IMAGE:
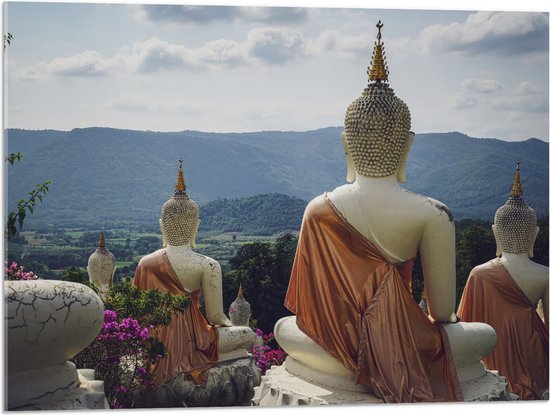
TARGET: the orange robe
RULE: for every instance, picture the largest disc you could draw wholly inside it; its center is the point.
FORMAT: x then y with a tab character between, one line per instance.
359	308
191	343
492	296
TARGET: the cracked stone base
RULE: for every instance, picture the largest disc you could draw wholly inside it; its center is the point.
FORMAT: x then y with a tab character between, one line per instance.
86	393
230	383
281	388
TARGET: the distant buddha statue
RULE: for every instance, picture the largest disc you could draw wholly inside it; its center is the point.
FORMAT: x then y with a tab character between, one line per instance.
357	324
505	292
194	343
101	266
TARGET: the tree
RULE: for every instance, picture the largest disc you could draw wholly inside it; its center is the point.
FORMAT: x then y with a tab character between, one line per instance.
264	271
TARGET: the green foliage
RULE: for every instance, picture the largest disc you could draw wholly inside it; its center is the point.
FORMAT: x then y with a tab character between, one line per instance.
8	37
17	218
13	157
264	271
75	274
540	249
265	214
149	307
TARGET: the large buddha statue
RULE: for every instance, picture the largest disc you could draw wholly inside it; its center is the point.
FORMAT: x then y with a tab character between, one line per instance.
194	343
357	325
504	293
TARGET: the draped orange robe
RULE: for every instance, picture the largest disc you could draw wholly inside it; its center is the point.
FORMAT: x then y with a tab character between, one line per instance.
359	308
191	343
492	296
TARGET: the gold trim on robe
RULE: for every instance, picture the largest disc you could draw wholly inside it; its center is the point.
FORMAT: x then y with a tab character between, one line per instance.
492	296
359	308
191	343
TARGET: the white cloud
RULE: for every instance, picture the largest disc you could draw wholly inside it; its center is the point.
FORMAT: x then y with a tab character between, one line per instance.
276	45
481	85
88	63
499	33
149	104
525	103
179	14
527	88
265	45
335	44
462	102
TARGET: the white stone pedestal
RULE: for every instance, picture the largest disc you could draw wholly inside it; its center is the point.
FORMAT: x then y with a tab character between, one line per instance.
280	387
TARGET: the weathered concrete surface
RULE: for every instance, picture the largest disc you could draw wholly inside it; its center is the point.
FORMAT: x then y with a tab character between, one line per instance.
229	384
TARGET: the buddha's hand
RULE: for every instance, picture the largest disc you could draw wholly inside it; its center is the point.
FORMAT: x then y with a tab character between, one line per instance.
221	320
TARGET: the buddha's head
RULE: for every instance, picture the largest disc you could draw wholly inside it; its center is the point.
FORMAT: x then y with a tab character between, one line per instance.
179	217
377	123
515	226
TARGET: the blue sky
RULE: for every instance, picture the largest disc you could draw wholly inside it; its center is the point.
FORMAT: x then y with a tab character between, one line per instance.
174	67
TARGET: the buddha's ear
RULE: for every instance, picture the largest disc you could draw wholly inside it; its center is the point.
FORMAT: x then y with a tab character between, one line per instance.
532	245
497	240
351	173
402	170
164	243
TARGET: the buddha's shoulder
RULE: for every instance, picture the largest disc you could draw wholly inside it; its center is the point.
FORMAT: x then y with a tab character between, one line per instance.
482	270
317	205
429	207
151	259
205	261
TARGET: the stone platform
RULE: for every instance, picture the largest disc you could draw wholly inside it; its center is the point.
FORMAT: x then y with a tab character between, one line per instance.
230	383
279	387
86	393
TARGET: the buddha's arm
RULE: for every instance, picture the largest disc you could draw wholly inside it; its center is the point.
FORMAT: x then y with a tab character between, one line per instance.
212	291
437	250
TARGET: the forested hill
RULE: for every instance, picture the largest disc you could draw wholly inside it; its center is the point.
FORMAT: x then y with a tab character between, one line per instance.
106	176
266	214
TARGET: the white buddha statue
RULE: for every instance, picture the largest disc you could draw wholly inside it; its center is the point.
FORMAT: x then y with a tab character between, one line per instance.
357	326
102	266
504	292
194	343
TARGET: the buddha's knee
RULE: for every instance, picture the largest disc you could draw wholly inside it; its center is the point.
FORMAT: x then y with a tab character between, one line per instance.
303	349
470	342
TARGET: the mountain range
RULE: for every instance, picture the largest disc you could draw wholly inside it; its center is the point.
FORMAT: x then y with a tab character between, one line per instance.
106	176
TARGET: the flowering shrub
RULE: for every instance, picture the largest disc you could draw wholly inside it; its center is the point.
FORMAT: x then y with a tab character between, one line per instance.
270	354
121	355
124	351
17	273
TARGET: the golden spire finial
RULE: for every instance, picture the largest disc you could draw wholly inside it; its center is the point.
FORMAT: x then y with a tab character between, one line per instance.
378	70
517	190
101	243
180	180
240	294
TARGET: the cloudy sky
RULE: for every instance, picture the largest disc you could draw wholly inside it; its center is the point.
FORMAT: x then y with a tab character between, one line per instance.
174	67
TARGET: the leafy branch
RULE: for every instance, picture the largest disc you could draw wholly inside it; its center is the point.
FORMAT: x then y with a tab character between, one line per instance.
13	157
17	218
7	39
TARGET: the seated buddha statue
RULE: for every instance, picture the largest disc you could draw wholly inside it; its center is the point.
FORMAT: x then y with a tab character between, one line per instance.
357	326
505	292
194	343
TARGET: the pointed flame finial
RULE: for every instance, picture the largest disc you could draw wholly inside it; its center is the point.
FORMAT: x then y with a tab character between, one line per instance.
101	243
240	294
517	190
180	180
378	70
